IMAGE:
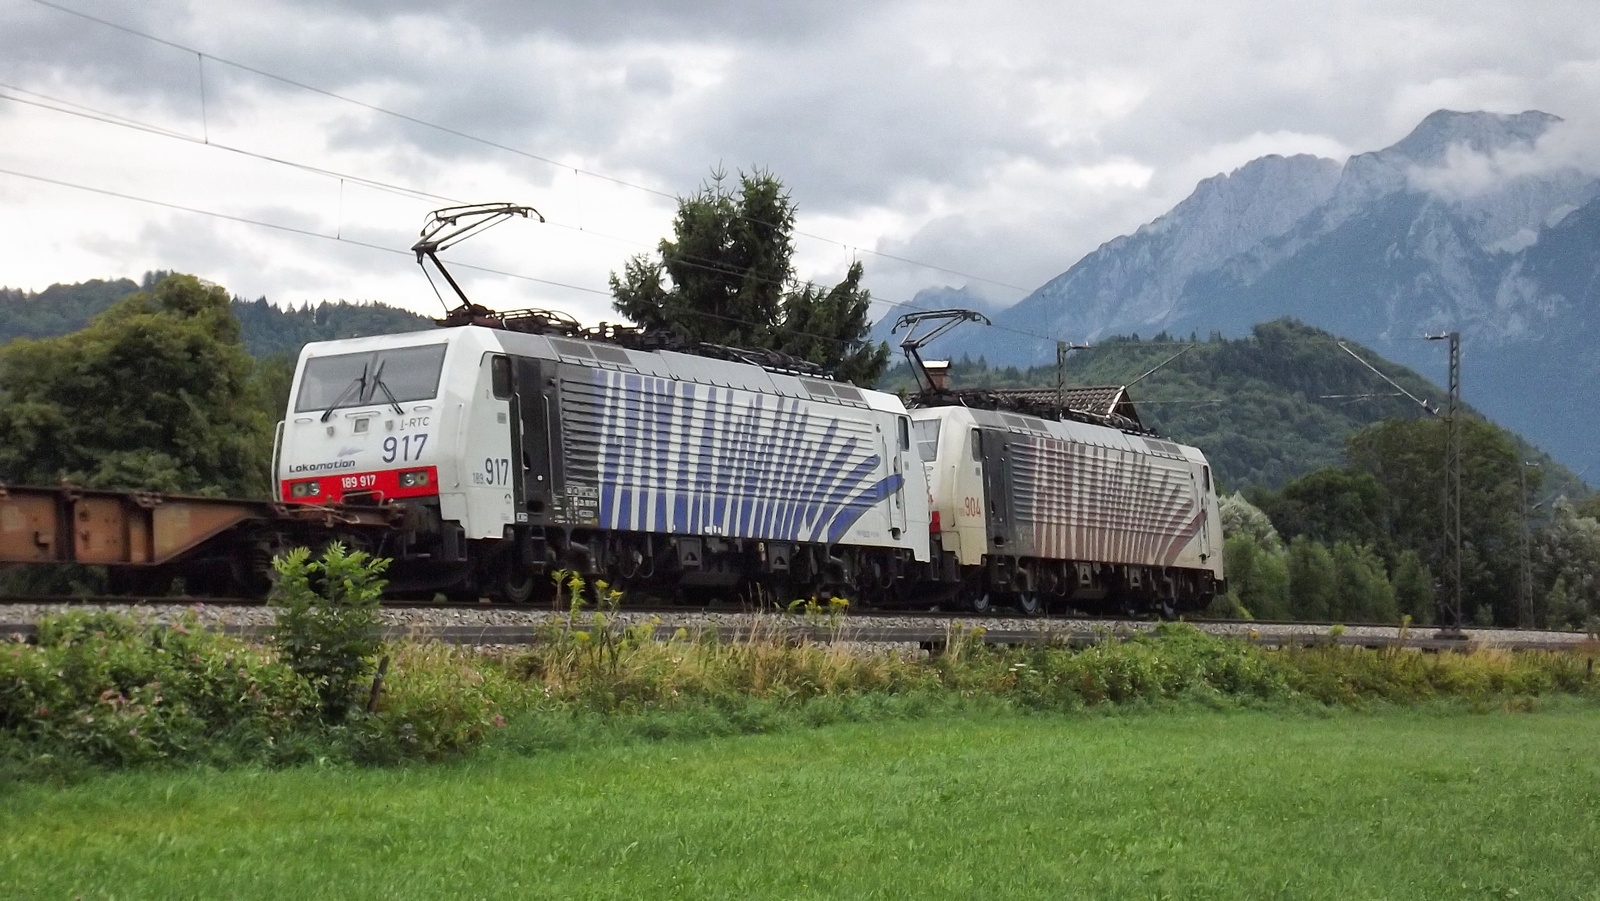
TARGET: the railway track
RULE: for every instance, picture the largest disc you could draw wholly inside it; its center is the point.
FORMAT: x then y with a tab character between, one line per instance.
924	637
484	624
124	600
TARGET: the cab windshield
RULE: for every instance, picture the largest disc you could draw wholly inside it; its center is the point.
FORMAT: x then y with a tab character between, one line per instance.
396	374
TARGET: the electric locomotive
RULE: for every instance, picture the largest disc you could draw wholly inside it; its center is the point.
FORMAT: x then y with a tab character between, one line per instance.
515	455
1035	502
509	447
1034	510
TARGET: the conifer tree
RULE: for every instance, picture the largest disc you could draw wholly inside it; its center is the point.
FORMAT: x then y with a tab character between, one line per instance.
727	277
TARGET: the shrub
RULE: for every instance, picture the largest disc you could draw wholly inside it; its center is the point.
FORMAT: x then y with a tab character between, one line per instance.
437	700
99	689
327	618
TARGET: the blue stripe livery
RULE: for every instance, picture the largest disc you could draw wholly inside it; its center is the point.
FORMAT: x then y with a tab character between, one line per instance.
681	457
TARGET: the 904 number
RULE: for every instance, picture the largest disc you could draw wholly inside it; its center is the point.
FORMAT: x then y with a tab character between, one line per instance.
404	448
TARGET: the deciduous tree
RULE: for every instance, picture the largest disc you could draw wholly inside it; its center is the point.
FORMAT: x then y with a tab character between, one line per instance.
154	393
1406	457
1567	554
1313	594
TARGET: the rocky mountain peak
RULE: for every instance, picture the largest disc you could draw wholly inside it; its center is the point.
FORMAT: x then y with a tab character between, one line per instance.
1263	197
1138	277
1370	176
1480	132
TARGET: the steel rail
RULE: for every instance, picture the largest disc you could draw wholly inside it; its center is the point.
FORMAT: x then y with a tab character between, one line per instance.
741	609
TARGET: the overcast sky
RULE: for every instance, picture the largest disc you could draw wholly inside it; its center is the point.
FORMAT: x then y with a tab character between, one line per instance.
999	141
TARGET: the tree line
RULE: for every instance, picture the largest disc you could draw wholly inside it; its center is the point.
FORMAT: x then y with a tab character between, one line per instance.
1266	407
1365	541
265	329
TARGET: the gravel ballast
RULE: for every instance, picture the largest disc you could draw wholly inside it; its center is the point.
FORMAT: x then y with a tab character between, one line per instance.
426	618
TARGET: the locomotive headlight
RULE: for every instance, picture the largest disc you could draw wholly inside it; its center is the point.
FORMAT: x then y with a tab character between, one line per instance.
416	478
301	489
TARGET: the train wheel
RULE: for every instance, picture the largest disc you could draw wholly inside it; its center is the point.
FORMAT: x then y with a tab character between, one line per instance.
516	584
982	602
1028	602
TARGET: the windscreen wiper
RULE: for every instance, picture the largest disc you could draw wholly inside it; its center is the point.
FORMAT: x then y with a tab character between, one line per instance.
377	379
359	383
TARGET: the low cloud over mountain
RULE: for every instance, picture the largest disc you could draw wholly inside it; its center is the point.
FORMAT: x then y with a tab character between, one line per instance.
1479	222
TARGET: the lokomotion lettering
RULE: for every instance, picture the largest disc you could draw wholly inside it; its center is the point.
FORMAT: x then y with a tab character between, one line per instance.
332	466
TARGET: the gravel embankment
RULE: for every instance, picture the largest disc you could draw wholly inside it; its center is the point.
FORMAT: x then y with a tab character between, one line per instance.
426	618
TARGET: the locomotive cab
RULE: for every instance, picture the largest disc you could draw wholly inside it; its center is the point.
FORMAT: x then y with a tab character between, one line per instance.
363	423
376	421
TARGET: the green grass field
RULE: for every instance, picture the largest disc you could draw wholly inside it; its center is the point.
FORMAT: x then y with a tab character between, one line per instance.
1399	804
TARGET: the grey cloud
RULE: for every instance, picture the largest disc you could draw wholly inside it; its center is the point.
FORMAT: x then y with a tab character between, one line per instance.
650	77
44	46
846	128
612	21
914	108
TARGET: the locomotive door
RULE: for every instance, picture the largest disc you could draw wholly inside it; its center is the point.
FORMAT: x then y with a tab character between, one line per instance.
896	456
531	435
997	485
483	445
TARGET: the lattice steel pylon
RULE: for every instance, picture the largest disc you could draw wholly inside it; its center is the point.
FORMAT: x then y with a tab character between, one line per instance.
1525	615
1451	603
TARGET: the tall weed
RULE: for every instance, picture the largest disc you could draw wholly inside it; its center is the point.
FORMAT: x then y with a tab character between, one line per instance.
327	618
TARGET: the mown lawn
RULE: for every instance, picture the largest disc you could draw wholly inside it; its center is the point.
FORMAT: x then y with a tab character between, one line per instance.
1401	804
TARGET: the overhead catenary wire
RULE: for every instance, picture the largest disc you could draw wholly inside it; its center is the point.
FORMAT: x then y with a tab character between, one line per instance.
108	118
467	136
543	159
309	233
87	112
376	184
245	220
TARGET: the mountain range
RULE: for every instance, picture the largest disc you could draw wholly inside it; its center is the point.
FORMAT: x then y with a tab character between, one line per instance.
1473	222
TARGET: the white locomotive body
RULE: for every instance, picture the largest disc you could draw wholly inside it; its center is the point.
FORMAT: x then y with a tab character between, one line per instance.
1070	510
523	453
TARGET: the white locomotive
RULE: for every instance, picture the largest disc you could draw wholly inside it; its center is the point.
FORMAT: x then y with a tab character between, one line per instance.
522	453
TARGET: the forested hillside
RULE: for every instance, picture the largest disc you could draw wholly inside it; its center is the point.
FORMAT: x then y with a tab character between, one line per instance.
266	330
1266	408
